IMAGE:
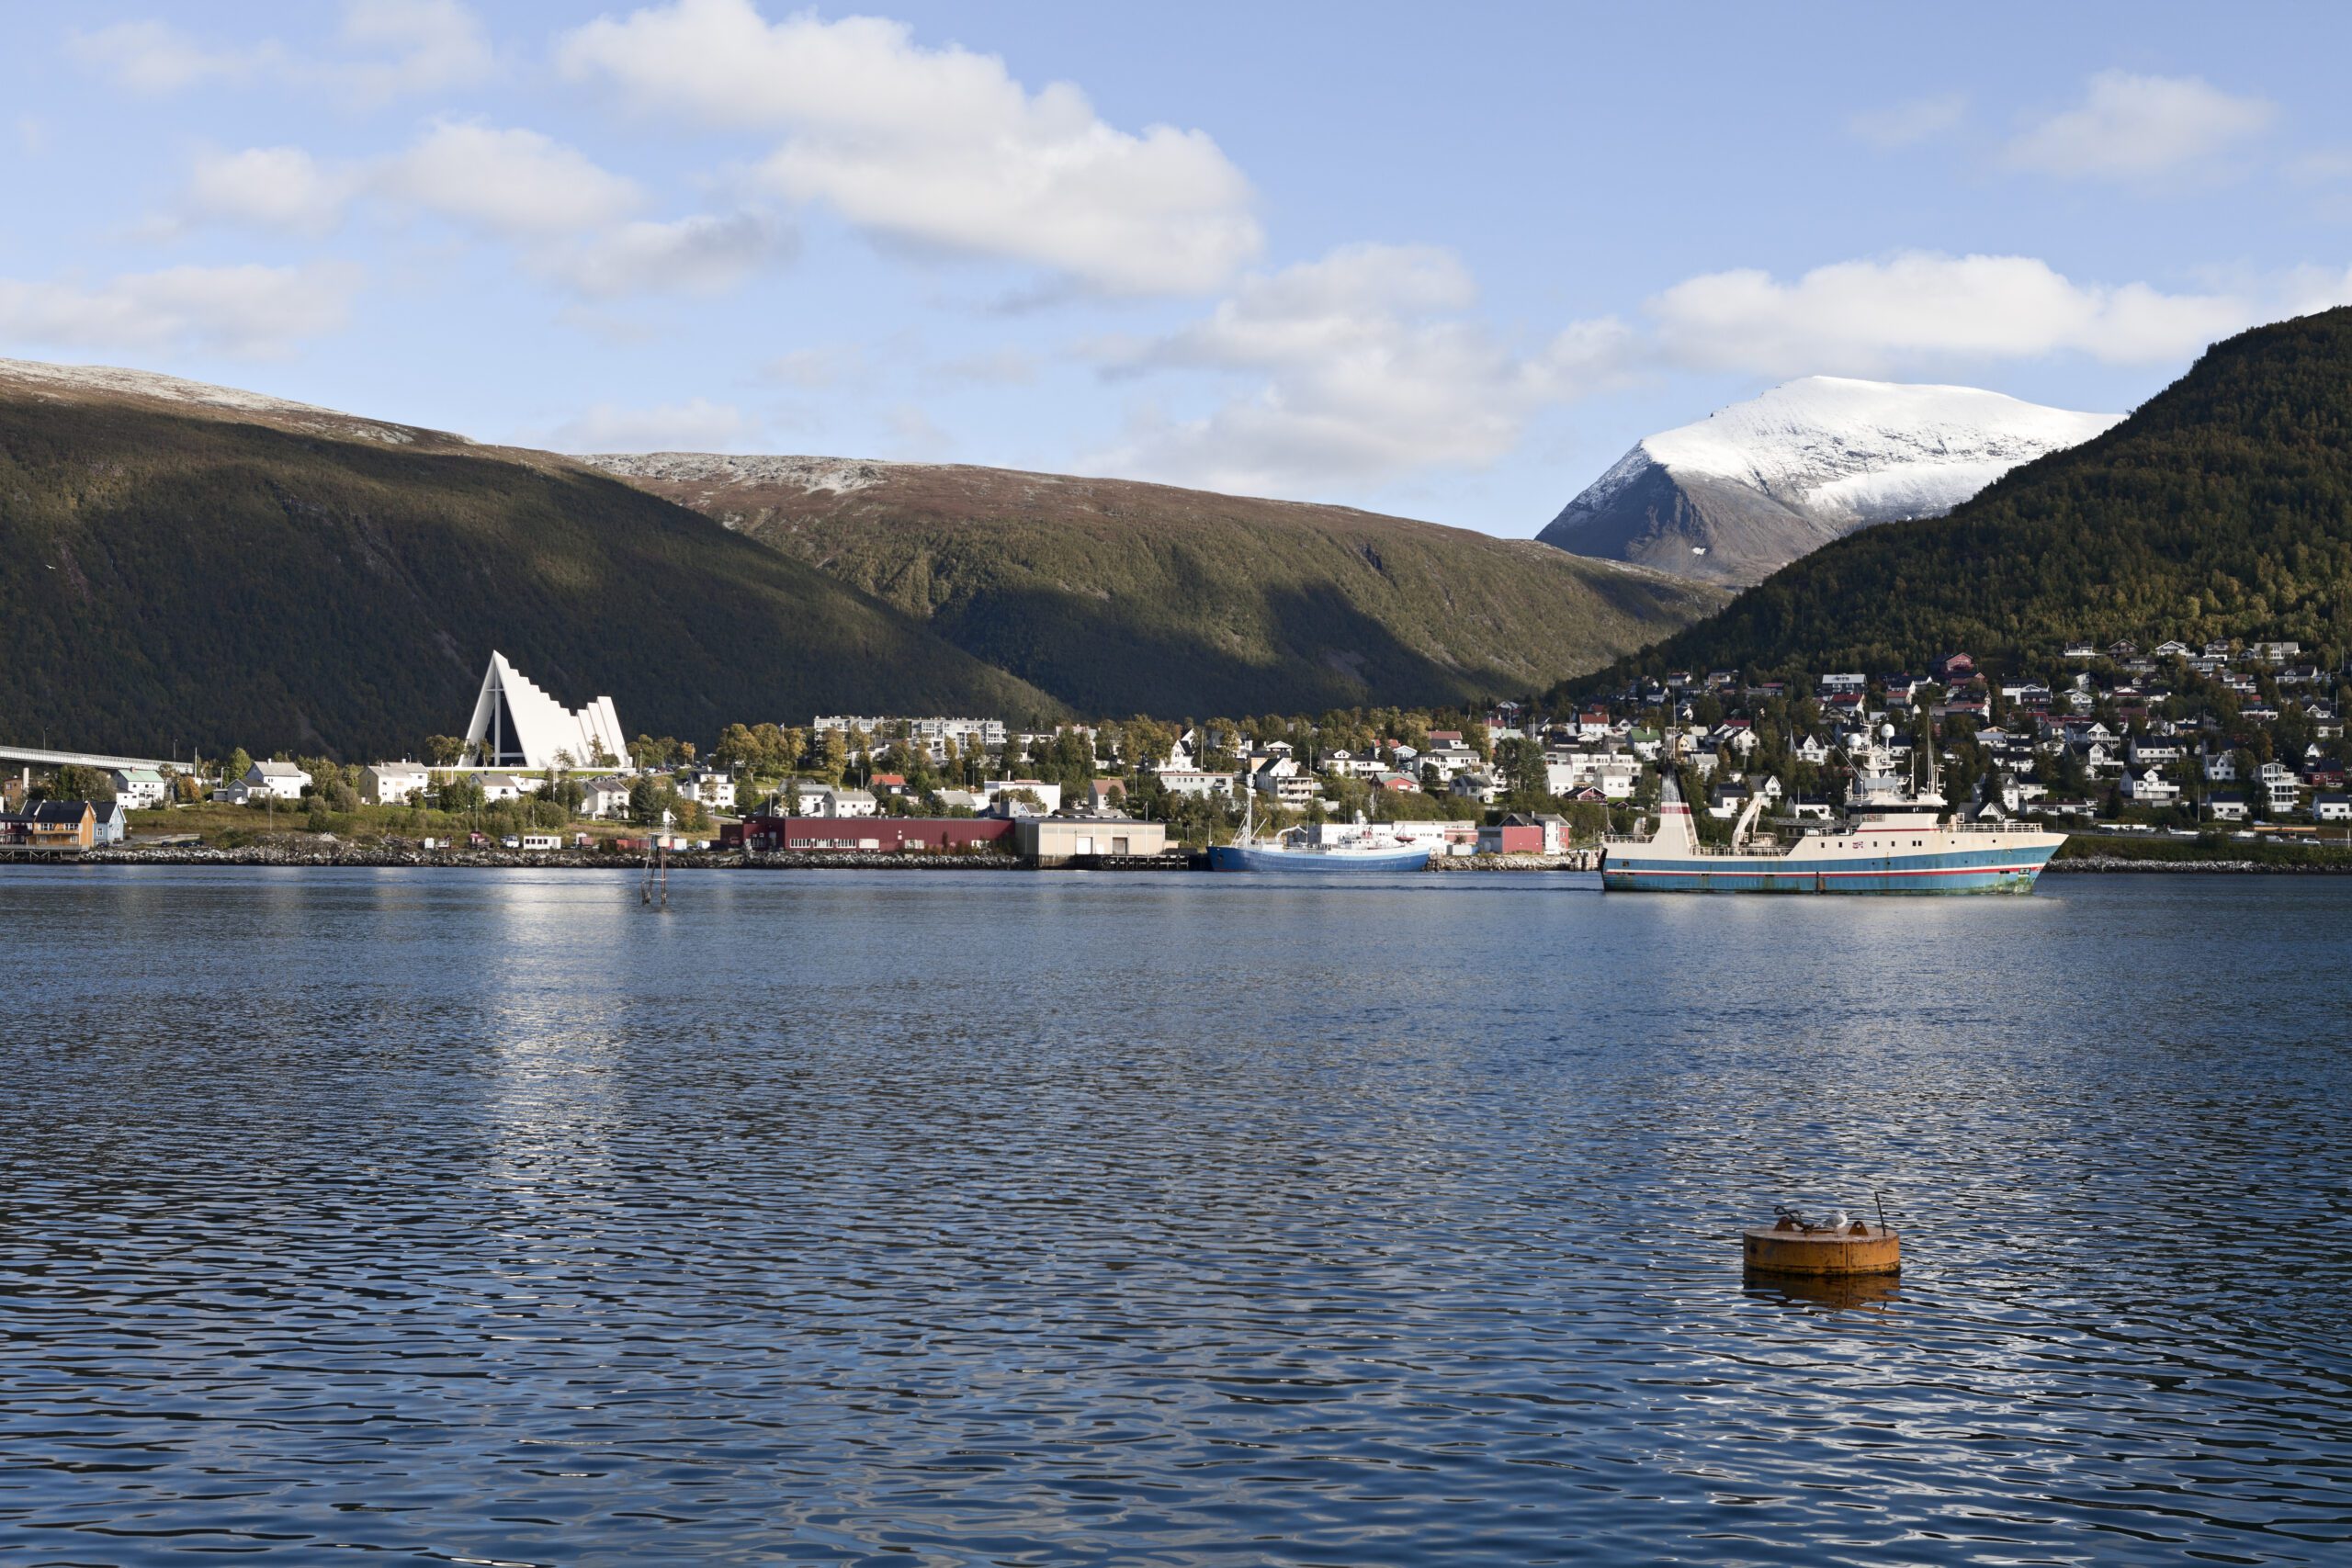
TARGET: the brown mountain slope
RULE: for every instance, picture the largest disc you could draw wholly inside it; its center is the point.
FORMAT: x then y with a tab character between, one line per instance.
194	565
1120	597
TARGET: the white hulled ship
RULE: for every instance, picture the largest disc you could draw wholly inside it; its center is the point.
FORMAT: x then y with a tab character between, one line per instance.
1360	849
1896	839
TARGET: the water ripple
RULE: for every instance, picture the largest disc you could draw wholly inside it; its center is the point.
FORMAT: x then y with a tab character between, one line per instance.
840	1218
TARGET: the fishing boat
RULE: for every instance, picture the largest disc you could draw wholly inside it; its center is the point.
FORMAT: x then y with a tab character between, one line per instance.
1360	849
1898	838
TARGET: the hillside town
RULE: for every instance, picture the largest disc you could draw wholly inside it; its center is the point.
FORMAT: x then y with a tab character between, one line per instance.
2242	738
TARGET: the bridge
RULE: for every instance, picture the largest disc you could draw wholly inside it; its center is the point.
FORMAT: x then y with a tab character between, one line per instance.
30	758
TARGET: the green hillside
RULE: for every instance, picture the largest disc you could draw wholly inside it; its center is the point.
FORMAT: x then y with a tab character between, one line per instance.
174	574
2221	509
1118	597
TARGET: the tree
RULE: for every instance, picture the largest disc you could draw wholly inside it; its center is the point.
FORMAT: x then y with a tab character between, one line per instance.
443	750
236	765
73	781
457	791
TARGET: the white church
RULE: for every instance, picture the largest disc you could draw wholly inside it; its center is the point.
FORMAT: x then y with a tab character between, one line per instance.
515	724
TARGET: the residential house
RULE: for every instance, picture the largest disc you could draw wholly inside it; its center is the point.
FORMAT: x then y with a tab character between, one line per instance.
281	781
605	796
2331	807
2149	789
833	800
501	787
1476	783
141	789
1196	783
59	825
2280	787
392	783
2225	805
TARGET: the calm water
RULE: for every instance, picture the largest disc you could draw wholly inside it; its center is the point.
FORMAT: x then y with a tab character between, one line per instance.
979	1219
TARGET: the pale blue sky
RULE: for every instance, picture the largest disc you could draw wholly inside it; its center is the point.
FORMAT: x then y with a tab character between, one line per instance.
1443	263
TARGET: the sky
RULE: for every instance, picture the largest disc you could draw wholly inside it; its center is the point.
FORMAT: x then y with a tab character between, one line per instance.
1445	263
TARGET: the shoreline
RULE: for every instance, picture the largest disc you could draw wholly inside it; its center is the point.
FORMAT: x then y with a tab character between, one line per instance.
265	856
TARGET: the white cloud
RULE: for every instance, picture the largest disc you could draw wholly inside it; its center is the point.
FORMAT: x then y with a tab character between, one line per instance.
693	255
249	311
155	57
568	216
1906	124
1365	369
423	46
938	147
695	425
393	47
1870	316
506	181
2140	129
275	188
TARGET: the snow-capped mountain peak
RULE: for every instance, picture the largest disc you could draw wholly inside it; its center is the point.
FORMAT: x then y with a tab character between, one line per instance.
1743	491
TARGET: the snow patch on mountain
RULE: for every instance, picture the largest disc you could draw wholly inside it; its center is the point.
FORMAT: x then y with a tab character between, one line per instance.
1751	486
1860	452
809	475
119	382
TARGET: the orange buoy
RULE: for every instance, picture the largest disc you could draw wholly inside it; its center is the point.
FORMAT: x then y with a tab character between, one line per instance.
1793	1247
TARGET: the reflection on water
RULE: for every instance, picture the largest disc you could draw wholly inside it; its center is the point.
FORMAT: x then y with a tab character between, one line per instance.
1017	1219
1831	1293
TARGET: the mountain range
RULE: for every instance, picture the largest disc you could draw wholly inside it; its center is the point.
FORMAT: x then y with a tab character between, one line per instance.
1738	495
1118	597
191	566
2220	509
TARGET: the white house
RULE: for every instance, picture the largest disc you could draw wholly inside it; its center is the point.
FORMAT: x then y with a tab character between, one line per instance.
1049	796
281	781
2227	806
2331	807
2149	789
605	796
828	800
141	789
500	786
1196	783
391	784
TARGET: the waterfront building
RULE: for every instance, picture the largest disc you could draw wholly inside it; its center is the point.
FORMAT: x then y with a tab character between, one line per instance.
1053	840
62	825
768	833
515	724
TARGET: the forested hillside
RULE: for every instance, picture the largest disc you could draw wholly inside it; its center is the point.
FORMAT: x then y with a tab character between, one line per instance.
2221	509
172	573
1117	597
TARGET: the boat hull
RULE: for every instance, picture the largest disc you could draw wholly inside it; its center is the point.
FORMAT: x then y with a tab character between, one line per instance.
1994	868
1312	863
